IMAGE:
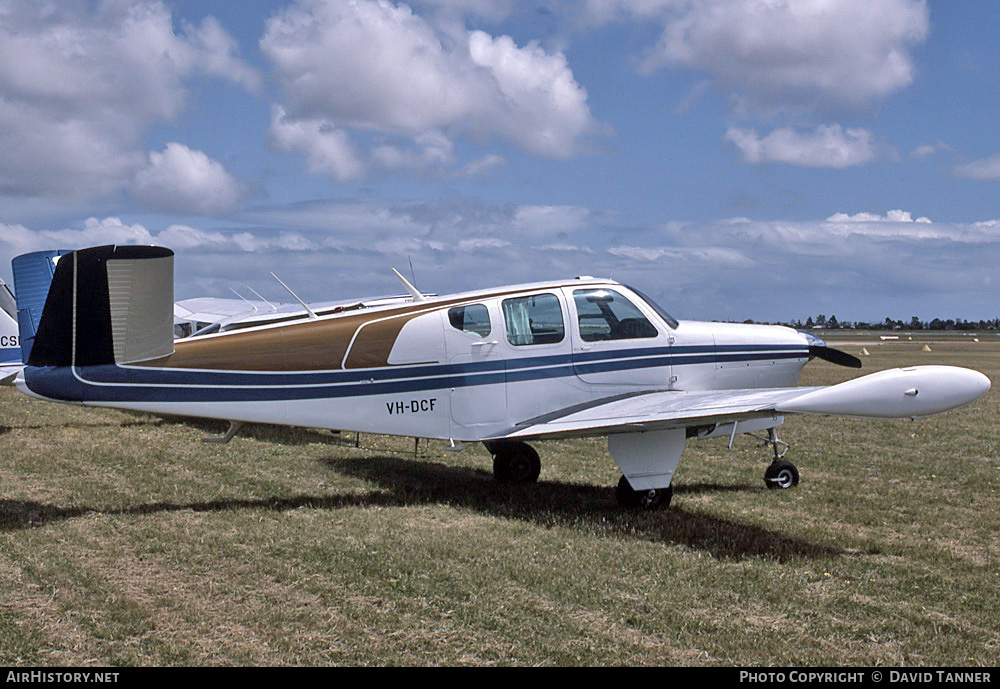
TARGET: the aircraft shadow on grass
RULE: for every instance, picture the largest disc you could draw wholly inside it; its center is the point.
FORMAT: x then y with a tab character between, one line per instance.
406	482
73	424
284	435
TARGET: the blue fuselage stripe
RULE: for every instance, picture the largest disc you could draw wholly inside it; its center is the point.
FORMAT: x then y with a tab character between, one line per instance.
110	383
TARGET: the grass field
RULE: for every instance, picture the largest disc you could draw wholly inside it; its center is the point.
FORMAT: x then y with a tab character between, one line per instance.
126	541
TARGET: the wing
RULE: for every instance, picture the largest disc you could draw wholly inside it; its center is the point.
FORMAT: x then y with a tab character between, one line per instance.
212	309
893	394
656	410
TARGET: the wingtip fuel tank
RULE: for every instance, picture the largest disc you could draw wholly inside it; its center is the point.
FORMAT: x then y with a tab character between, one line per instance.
898	393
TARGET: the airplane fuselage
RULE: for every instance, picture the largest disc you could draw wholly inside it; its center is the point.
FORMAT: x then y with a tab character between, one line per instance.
467	367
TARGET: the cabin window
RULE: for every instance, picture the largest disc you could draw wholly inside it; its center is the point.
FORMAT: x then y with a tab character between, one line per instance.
533	320
473	319
604	314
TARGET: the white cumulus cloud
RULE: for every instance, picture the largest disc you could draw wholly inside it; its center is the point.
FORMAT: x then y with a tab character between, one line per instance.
830	52
549	220
328	149
182	180
81	82
985	169
927	150
538	103
891	216
828	146
348	70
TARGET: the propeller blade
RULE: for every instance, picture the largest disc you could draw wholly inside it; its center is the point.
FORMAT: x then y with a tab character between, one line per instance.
834	356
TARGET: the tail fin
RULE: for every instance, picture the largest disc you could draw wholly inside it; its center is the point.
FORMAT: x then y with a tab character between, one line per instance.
105	305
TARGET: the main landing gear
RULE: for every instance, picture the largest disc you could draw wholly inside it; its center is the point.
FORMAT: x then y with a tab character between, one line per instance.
781	473
517	462
514	461
652	499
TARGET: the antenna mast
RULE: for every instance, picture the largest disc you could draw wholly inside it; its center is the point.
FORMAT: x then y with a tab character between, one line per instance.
312	314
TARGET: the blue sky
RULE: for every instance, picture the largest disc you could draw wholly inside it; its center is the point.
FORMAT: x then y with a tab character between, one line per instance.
757	159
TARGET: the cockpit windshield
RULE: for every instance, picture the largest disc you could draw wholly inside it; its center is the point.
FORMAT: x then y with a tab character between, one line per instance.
668	319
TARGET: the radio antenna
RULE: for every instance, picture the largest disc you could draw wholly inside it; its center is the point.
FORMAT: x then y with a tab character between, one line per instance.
273	307
249	303
414	292
312	314
412	274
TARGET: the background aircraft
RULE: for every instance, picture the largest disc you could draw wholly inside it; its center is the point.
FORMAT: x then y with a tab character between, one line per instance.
205	315
503	366
10	350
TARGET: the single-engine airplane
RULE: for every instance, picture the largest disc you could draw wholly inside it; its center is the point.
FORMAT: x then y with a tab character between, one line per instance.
504	366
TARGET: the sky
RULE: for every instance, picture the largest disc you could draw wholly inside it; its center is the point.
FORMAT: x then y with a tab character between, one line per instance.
762	159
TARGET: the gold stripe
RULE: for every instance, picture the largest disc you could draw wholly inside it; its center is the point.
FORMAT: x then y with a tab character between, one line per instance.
312	345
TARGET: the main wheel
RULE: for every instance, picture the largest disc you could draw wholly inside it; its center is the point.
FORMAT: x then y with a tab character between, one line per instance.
781	474
642	499
514	461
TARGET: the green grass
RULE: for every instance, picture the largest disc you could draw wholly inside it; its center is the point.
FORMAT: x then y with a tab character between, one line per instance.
126	541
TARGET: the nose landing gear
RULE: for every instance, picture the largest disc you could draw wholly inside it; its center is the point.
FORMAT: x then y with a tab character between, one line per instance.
781	473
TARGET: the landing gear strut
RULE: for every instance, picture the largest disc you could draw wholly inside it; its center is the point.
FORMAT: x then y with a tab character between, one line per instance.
514	461
781	473
644	499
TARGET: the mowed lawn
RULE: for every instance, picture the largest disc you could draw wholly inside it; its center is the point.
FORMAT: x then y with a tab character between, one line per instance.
124	540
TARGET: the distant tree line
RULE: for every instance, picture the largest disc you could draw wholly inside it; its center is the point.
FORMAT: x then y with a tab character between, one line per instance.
822	322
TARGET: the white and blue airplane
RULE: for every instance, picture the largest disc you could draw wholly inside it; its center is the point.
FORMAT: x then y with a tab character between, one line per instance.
504	366
10	349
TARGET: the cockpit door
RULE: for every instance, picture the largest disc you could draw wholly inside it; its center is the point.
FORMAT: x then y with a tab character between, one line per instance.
618	340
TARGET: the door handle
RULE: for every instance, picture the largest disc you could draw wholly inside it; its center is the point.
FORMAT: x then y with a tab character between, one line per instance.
483	344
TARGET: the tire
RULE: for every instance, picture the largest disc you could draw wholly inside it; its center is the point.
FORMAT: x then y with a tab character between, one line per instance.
781	474
642	499
514	462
